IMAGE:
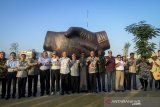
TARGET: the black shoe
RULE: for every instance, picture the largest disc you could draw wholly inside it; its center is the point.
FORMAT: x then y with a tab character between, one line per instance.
135	89
34	95
62	93
67	92
29	95
8	97
13	96
142	88
19	97
23	96
104	91
2	97
42	94
145	89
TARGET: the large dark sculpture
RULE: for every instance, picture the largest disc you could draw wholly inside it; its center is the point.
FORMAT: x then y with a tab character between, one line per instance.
76	40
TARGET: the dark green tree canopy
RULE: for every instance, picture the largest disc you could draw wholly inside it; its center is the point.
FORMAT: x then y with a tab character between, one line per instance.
143	32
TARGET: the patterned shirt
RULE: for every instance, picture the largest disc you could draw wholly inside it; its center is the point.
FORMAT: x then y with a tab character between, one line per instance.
92	64
33	69
3	71
22	69
65	63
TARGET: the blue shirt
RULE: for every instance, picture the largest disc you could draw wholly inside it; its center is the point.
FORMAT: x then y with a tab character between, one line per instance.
11	65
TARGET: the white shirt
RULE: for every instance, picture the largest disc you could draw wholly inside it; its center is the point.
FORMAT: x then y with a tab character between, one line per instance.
55	63
64	69
121	67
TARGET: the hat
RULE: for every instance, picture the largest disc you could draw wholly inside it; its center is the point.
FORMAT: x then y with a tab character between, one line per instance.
54	52
153	54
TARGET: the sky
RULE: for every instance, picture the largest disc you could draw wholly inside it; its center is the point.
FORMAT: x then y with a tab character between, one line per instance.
27	21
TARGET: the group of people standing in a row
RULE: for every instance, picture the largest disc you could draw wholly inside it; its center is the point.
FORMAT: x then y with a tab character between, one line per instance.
84	74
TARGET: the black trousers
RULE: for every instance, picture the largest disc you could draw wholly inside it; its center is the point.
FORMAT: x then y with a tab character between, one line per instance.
144	83
11	78
75	83
22	86
65	82
55	77
92	82
101	81
45	81
32	79
127	81
157	84
4	80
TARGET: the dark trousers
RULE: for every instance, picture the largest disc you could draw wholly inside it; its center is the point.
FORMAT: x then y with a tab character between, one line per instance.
144	83
65	82
101	81
132	77
55	77
75	83
126	81
157	84
4	80
32	79
11	78
45	81
111	76
22	86
151	81
92	82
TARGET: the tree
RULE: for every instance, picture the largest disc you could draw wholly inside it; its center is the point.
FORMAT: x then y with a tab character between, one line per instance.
143	33
14	47
126	48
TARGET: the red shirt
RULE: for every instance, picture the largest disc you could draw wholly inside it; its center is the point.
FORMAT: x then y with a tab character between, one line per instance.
110	64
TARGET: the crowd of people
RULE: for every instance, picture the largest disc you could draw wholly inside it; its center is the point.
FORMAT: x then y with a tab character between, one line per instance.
66	75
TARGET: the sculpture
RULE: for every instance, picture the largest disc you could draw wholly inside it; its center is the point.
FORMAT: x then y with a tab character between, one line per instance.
76	40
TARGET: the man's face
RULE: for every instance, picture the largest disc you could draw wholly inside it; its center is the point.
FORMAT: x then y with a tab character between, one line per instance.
1	55
92	53
110	53
32	55
45	54
132	55
12	56
119	58
64	54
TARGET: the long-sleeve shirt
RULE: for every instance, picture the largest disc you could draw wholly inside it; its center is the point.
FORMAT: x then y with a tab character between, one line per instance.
55	64
74	68
11	65
33	69
110	64
65	63
132	65
45	63
3	70
92	64
22	69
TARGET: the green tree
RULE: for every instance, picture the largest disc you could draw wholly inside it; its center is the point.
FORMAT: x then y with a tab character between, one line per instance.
142	33
14	47
126	48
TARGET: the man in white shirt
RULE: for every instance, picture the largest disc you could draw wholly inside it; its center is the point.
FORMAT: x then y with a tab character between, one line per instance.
64	71
44	63
119	74
11	75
